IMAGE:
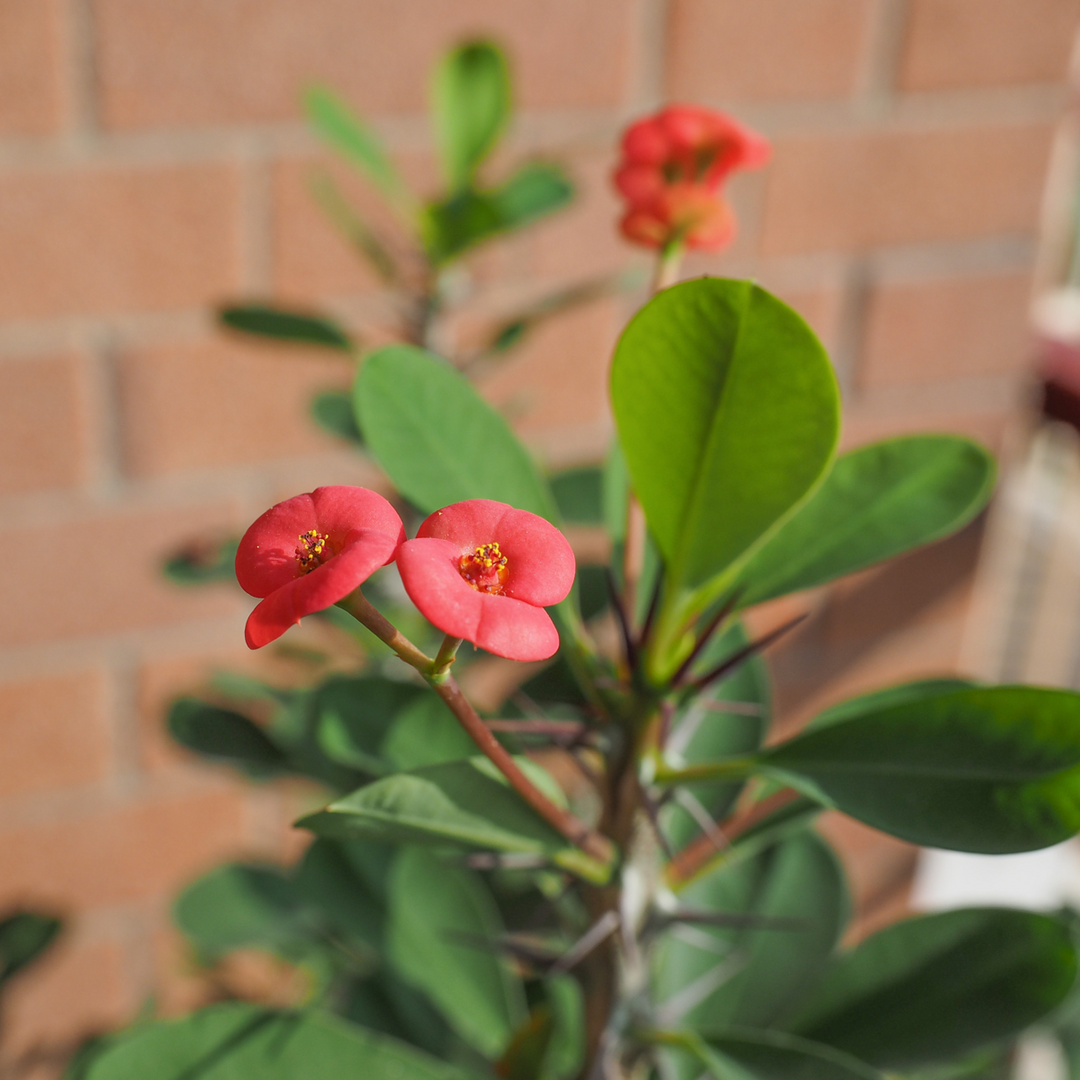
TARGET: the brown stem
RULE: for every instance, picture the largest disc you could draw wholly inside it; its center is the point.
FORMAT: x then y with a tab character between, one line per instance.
575	830
633	562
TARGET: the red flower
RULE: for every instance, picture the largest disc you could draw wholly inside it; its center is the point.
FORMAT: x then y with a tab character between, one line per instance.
310	552
672	170
483	571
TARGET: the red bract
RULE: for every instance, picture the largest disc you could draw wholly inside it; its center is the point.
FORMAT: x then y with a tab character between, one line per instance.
310	552
483	571
672	170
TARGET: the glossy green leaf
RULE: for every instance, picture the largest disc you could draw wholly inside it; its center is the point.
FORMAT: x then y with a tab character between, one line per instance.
470	106
333	411
931	988
709	976
262	320
24	936
443	924
460	802
425	732
772	1055
877	502
701	732
350	136
234	1041
534	191
224	735
992	770
903	694
437	439
728	415
566	1049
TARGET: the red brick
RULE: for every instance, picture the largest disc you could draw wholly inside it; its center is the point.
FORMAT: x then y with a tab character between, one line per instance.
82	987
957	43
44	423
106	239
224	61
559	378
920	332
146	848
583	240
848	191
98	574
728	49
212	403
55	733
31	90
311	259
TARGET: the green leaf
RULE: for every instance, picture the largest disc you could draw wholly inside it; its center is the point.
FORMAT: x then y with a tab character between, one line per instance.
931	988
352	138
877	502
702	733
752	976
470	217
238	906
224	735
459	802
262	320
225	1042
426	732
338	898
332	410
992	770
356	713
772	1055
24	936
470	107
566	1049
877	700
578	494
437	439
443	926
728	414
533	192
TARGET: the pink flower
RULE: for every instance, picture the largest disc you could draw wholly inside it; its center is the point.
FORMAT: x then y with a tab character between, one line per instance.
311	551
483	571
672	170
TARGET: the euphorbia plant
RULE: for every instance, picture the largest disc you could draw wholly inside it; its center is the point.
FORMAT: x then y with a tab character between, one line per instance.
615	872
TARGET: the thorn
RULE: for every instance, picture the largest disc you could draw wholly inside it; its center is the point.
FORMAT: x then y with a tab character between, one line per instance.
726	609
738	659
600	930
710	828
629	646
510	860
739	708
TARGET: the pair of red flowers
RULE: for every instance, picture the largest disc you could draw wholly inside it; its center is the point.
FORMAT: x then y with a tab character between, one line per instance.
673	167
478	570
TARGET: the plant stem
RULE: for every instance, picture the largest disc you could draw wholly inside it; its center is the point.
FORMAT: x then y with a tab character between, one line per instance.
576	831
447	653
667	266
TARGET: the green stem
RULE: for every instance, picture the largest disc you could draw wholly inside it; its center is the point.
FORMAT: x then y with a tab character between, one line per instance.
736	768
667	266
447	653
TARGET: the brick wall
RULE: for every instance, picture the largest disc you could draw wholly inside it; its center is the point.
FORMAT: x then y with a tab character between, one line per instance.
152	163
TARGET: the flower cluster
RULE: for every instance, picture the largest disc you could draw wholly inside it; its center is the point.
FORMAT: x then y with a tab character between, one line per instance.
672	172
478	570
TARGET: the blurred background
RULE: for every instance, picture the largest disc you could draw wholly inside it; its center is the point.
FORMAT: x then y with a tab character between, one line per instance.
153	165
